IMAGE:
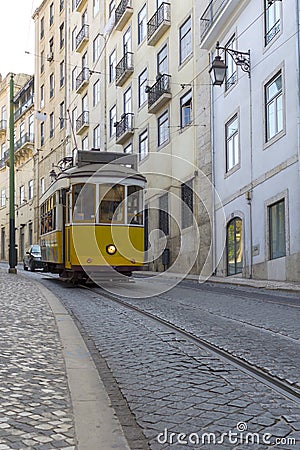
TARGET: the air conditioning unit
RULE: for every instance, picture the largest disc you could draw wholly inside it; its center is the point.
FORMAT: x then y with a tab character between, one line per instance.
50	56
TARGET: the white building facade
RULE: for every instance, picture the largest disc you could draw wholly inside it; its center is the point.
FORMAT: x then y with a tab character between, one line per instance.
255	138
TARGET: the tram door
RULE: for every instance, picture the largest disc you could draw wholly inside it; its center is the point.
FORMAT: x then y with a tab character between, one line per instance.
234	246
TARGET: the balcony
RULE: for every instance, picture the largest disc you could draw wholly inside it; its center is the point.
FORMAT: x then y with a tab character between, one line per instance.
159	94
215	19
124	128
82	80
82	123
23	108
3	125
159	23
82	38
80	5
123	13
24	144
124	68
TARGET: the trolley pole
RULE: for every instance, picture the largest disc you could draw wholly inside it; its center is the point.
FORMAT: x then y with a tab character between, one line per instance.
12	233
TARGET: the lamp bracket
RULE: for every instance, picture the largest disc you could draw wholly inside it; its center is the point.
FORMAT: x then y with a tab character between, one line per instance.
241	59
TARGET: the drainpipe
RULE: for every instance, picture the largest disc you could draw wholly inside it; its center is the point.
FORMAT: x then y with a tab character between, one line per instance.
298	78
251	179
213	177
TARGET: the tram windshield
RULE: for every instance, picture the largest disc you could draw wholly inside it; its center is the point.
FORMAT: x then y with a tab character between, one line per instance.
111	207
84	203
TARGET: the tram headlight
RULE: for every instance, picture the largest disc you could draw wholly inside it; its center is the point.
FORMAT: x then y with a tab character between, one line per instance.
111	249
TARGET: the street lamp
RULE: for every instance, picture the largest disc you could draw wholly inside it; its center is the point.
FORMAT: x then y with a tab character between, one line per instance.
218	68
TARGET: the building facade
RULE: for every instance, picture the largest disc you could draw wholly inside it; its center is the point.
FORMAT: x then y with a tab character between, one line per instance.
24	139
255	137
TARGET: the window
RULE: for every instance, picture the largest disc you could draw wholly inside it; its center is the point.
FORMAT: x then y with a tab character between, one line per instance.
128	148
163	128
42	95
142	24
62	115
274	107
112	66
272	20
127	41
62	73
127	101
42	185
42	61
42	34
74	117
187	204
231	75
85	143
112	7
3	113
186	109
22	130
3	198
51	119
31	127
74	76
3	146
42	133
232	143
112	121
51	14
74	34
84	202
95	7
73	4
96	93
185	40
96	48
96	137
22	195
163	214
162	61
51	83
61	5
277	230
112	203
30	190
142	86
61	35
143	144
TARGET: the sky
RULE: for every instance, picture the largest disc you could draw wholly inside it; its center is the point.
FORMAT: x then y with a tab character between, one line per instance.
17	36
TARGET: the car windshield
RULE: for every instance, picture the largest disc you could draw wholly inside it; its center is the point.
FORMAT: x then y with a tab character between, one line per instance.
36	249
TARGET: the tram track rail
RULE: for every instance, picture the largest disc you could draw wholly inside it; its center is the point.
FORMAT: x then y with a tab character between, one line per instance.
278	385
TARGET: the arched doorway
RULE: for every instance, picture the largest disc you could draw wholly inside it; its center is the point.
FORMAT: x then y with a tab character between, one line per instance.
234	246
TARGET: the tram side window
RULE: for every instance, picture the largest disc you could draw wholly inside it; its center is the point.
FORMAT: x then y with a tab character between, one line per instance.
111	207
134	205
48	215
84	203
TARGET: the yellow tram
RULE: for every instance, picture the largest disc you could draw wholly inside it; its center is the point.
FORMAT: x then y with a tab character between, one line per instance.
92	217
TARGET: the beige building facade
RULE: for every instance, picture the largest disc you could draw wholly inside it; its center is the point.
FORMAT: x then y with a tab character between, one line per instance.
24	138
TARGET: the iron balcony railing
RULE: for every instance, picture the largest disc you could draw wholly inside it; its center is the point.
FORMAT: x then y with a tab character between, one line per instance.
3	125
125	124
83	34
27	138
162	14
210	15
162	86
124	65
23	108
121	8
82	77
83	120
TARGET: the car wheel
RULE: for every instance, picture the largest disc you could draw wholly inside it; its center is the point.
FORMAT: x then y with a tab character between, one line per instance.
32	268
24	266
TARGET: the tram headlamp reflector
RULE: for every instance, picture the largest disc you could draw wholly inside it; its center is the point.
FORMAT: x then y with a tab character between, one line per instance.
111	249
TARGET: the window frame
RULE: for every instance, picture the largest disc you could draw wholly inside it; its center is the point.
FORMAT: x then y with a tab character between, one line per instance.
276	9
163	124
187	98
231	138
112	121
142	24
283	232
143	138
188	186
185	40
142	83
269	102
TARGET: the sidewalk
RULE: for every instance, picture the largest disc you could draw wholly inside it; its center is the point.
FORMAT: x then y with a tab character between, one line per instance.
50	391
232	280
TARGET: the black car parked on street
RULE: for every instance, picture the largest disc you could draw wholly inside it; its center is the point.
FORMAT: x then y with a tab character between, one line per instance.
32	259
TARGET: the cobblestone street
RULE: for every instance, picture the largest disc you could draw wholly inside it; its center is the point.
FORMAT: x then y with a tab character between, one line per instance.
35	408
173	386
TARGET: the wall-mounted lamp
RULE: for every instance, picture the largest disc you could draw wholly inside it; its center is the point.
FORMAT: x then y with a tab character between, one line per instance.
218	68
53	176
